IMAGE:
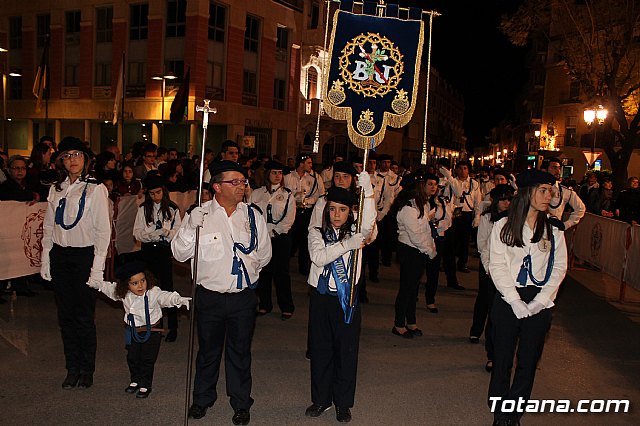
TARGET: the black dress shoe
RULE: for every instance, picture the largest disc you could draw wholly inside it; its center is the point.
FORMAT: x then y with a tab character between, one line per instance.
416	332
241	417
316	410
456	287
172	335
86	381
262	312
70	381
474	339
143	393
343	415
132	388
286	316
197	411
432	308
407	334
489	366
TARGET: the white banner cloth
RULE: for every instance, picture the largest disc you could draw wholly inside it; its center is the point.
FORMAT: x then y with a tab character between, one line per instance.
20	238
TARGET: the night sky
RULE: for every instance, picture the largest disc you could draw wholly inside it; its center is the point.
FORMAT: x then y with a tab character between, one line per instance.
472	54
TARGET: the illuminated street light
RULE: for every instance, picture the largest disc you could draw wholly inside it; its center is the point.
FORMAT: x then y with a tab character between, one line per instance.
163	78
591	116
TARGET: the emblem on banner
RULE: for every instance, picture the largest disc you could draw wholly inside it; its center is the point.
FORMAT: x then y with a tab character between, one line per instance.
32	237
596	240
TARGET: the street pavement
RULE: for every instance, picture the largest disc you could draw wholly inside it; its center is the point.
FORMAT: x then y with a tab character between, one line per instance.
592	352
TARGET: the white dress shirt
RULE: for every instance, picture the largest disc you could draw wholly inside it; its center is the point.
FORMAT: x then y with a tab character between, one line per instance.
567	196
443	214
505	262
217	237
484	241
308	187
466	192
279	199
93	229
322	255
327	177
147	232
134	304
416	232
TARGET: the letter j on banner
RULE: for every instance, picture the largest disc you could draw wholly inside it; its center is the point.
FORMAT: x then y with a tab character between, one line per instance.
374	68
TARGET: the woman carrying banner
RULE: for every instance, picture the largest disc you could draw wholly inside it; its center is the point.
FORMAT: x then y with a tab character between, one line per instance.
157	222
334	325
76	234
279	206
416	245
527	262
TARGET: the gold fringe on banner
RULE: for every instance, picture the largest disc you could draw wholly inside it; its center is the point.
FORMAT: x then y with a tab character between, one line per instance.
368	141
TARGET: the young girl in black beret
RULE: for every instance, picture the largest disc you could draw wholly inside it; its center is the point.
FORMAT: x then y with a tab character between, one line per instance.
143	303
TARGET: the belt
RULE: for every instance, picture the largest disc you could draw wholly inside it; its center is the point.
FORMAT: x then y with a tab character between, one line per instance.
143	328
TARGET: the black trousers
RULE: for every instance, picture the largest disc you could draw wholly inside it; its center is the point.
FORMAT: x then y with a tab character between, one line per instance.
70	270
334	351
482	309
387	240
449	257
433	272
141	358
224	320
509	333
158	257
371	257
277	271
462	234
412	264
299	238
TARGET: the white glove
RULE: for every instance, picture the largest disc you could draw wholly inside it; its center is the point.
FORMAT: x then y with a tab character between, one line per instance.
93	284
196	217
364	182
45	267
535	307
162	232
355	242
520	309
178	300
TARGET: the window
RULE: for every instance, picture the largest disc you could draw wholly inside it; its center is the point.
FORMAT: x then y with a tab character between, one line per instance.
574	90
214	89
136	74
249	88
252	34
314	16
139	22
175	67
43	23
217	22
15	32
15	86
282	44
176	19
104	24
71	75
279	94
72	27
570	136
103	74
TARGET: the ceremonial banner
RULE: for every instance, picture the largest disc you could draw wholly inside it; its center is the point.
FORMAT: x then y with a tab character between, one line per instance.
127	208
601	242
632	268
374	68
20	238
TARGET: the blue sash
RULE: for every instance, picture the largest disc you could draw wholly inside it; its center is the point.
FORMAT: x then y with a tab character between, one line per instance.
238	267
130	332
59	220
525	268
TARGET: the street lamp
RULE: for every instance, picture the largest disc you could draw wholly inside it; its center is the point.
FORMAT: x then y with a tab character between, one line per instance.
4	100
590	116
163	78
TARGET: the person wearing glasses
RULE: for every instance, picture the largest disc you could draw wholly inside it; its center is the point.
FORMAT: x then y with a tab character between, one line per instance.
234	246
18	187
564	195
306	186
148	162
76	234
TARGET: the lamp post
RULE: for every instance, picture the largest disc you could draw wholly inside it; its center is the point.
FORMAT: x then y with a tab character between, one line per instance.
163	78
590	116
4	100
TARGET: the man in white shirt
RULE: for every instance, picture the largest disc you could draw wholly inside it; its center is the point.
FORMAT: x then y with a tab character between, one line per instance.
327	173
306	187
564	196
234	247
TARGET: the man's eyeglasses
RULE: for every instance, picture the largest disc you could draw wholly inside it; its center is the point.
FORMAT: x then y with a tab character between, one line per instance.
235	182
17	168
69	155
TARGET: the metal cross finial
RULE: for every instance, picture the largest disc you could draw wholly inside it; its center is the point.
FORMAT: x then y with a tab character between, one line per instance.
206	110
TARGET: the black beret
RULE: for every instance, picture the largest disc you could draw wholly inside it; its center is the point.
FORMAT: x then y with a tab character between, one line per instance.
553	160
417	176
206	185
373	155
501	172
301	158
534	177
275	165
501	191
356	160
344	167
70	143
217	167
444	161
342	196
153	181
130	269
384	157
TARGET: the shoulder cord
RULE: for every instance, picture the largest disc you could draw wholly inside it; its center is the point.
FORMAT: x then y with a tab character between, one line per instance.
238	267
384	183
559	198
59	220
270	215
465	193
525	268
132	324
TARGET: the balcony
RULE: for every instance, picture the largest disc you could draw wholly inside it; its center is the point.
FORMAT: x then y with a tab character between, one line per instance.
297	5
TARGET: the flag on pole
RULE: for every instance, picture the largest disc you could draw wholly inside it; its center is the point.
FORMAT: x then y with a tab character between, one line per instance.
119	92
180	102
40	84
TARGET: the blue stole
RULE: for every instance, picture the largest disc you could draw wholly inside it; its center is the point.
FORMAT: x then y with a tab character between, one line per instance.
59	220
525	268
238	267
340	273
130	332
286	209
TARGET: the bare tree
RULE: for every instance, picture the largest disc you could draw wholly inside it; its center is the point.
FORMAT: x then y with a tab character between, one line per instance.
598	43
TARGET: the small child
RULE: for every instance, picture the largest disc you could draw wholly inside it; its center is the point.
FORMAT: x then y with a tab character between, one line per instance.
143	303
